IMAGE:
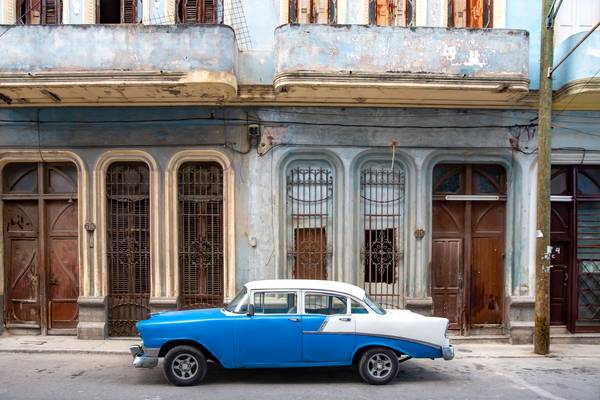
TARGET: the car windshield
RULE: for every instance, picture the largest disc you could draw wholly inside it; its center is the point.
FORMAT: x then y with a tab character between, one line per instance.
374	305
239	304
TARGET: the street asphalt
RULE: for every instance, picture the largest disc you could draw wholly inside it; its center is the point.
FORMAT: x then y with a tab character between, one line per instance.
110	376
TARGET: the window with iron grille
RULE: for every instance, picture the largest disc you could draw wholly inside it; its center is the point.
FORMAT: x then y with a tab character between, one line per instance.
313	11
470	13
309	219
392	12
119	11
200	197
128	245
382	214
36	12
199	11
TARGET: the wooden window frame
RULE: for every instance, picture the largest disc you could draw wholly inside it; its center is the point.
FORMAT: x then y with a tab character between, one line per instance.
488	6
408	22
122	12
25	18
332	18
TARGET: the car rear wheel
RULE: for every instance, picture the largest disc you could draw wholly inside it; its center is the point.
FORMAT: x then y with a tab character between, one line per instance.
378	366
184	366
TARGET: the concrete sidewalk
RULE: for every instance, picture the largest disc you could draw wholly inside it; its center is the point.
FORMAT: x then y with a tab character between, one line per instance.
70	344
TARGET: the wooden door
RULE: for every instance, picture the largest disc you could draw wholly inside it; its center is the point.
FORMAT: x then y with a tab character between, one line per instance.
487	270
559	282
63	269
447	261
21	247
311	256
446	287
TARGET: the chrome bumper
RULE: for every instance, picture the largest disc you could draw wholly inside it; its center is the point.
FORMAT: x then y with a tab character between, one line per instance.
448	352
143	359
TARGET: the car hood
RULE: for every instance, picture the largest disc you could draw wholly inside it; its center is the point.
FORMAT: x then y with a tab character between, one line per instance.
181	316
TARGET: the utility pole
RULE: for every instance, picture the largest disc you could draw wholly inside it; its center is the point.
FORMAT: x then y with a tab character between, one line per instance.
543	249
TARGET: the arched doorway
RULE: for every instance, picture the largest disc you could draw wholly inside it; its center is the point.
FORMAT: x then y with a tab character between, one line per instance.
467	260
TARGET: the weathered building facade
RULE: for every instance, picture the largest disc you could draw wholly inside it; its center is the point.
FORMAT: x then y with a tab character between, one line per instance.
390	144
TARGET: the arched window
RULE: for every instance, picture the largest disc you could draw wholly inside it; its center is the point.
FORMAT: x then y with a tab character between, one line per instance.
309	219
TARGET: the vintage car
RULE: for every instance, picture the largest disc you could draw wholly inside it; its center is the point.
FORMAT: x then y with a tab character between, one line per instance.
291	323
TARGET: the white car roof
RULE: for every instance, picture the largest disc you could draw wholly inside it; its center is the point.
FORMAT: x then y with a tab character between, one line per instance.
307	284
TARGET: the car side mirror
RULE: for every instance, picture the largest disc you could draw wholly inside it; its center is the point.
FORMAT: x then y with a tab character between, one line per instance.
250	312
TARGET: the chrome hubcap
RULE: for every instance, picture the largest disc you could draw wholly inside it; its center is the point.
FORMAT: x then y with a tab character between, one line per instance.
185	366
379	365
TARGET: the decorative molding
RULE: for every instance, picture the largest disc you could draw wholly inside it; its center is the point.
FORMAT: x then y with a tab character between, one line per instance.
576	157
585	90
171	221
100	214
11	156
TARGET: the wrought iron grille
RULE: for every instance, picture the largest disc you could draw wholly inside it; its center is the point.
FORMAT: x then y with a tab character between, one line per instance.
127	191
588	254
200	196
382	209
309	203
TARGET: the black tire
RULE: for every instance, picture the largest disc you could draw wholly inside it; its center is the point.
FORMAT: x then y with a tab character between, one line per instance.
378	366
184	366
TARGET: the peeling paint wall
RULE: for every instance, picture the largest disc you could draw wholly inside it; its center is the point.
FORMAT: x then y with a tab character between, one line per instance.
176	48
366	49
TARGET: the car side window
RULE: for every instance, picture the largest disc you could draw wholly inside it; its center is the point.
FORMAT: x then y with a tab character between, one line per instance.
357	308
326	304
275	303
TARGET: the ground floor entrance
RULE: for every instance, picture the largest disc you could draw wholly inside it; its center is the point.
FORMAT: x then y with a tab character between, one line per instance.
575	226
468	241
41	264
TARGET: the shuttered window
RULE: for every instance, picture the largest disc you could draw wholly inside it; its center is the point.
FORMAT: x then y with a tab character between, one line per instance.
36	12
198	11
313	11
119	12
392	12
470	13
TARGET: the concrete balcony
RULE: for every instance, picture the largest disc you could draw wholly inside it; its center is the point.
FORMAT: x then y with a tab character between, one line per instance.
394	65
117	65
576	81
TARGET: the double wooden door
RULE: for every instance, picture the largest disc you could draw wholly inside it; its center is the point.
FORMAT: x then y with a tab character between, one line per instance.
467	265
41	247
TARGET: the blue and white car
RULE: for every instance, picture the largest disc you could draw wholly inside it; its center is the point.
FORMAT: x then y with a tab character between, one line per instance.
291	323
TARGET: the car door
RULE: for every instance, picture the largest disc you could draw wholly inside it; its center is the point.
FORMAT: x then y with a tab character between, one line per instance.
327	329
272	336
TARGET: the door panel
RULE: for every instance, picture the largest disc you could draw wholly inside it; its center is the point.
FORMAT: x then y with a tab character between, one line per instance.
446	274
268	339
63	269
559	283
487	281
22	263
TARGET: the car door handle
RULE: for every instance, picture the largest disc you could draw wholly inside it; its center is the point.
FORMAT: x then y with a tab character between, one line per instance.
294	319
346	319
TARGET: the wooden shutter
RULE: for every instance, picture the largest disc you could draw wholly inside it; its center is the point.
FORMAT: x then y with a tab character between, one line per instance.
470	13
129	11
321	9
52	10
209	12
304	11
399	12
383	12
458	13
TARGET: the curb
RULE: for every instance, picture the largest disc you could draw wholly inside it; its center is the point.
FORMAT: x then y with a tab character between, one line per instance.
64	351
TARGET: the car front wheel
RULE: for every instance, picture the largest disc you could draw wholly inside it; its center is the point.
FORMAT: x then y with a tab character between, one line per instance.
185	366
378	366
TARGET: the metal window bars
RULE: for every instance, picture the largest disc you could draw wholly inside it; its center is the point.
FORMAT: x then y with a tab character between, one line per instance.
200	198
128	225
309	204
382	213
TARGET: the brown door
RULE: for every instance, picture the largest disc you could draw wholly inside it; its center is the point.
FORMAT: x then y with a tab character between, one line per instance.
446	270
311	257
41	241
559	283
63	269
21	247
467	264
487	270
